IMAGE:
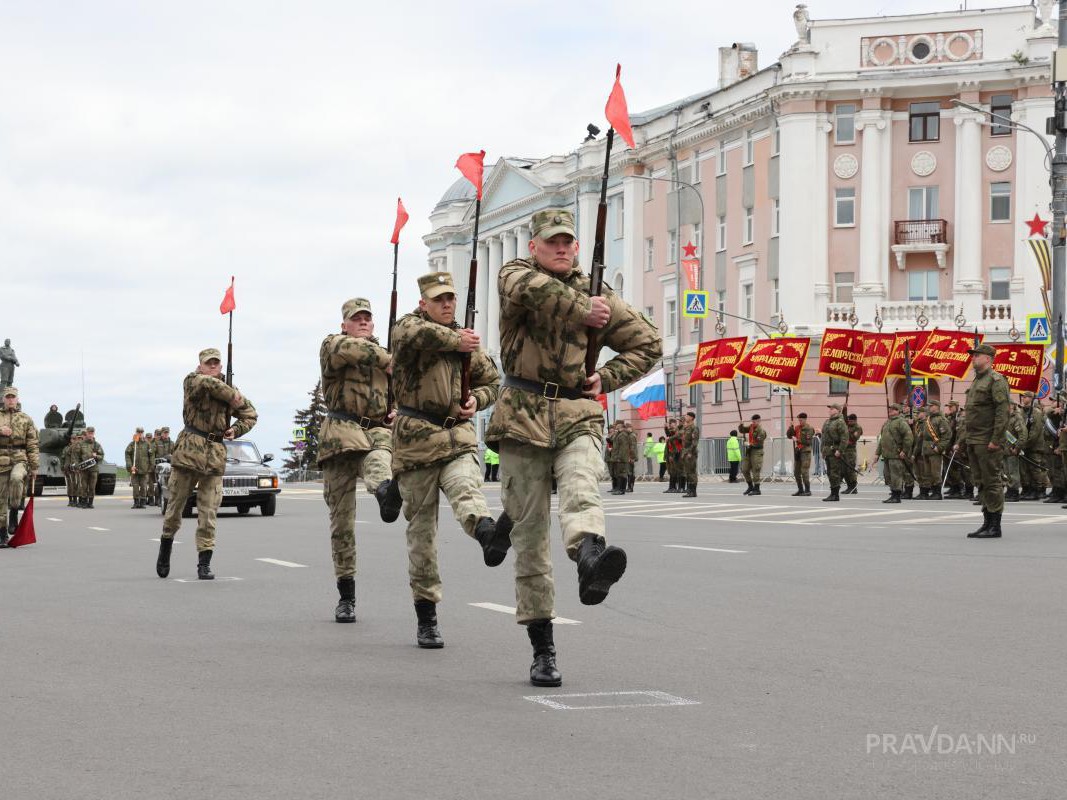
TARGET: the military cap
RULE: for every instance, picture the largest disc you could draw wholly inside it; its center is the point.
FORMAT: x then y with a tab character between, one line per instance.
983	349
354	306
552	222
164	430
90	429
933	403
803	415
921	410
1028	394
139	429
952	403
210	353
435	284
896	407
834	405
11	391
756	417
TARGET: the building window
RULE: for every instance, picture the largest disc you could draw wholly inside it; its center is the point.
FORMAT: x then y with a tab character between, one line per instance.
746	300
720	245
776	216
746	385
1000	106
750	226
844	207
750	148
922	202
844	123
698	235
620	216
922	284
650	312
1000	202
671	309
672	247
1000	283
648	188
720	162
777	299
838	386
721	299
694	395
843	282
924	122
669	389
717	397
650	254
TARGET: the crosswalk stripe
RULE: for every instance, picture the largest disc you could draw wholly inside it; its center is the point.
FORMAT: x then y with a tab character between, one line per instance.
280	563
1044	520
774	513
709	549
511	610
845	517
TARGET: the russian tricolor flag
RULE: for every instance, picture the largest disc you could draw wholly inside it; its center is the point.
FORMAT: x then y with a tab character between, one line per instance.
648	395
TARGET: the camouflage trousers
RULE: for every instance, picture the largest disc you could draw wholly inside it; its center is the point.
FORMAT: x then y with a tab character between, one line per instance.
893	472
340	475
616	469
12	490
689	469
851	475
802	469
928	470
986	469
526	495
461	481
835	469
139	484
208	498
87	482
1011	469
1056	474
1034	477
752	465
68	481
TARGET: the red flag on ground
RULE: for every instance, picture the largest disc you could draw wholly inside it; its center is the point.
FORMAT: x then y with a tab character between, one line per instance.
617	113
401	221
24	533
228	303
472	166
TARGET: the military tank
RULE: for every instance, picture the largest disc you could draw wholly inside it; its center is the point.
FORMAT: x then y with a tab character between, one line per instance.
52	440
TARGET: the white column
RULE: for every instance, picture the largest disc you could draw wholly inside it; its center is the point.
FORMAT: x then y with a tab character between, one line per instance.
870	289
967	234
492	306
587	208
802	193
461	300
522	239
633	238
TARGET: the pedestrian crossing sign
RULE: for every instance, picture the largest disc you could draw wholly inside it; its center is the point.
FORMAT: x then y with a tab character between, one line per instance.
1038	331
299	435
695	304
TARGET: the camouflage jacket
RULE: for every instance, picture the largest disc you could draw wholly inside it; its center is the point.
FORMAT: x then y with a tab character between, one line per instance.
934	434
427	375
21	446
753	436
206	407
543	338
802	435
354	383
834	435
139	456
634	452
64	457
85	450
896	438
1035	435
164	447
855	432
690	440
619	444
987	408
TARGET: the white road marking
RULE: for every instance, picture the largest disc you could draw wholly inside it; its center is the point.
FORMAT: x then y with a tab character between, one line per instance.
850	518
709	549
280	563
572	702
511	610
197	580
176	541
94	528
53	519
734	518
1044	520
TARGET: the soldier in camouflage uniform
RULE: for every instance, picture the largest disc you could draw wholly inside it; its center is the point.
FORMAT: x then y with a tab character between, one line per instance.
355	440
1053	417
618	445
855	433
671	454
894	443
954	467
66	462
631	476
752	460
690	445
987	419
549	421
802	435
834	442
1034	475
1016	432
199	457
164	447
435	446
139	464
1060	451
19	458
88	450
936	436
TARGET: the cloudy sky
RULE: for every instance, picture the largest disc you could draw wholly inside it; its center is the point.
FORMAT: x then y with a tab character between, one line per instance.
149	151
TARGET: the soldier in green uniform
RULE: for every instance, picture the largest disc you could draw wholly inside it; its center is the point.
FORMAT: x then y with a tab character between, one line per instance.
355	440
674	445
66	462
139	464
164	447
435	446
53	419
631	476
954	467
802	435
19	459
1060	450
909	457
199	457
548	420
752	460
690	446
89	456
1034	475
617	447
855	433
987	419
937	435
1053	417
1016	435
895	441
834	442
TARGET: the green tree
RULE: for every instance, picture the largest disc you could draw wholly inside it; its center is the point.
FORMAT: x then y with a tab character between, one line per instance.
310	419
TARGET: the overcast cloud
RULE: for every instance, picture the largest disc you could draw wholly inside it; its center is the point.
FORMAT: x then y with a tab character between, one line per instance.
148	151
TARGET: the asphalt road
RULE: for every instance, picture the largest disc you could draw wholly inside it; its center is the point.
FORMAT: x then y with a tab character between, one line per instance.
770	647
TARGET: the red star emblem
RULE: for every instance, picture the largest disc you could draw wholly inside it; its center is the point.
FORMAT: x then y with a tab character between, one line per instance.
1037	225
690	250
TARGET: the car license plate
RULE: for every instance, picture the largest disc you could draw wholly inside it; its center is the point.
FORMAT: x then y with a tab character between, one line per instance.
232	491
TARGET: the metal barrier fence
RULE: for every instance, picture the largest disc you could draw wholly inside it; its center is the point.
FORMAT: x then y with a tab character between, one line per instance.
778	459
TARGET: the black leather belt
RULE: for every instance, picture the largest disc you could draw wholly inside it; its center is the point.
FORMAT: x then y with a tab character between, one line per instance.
366	423
12	447
211	437
551	391
755	447
434	419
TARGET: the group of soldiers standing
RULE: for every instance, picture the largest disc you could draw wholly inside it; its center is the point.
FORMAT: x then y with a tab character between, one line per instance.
81	460
142	454
838	440
621	455
681	455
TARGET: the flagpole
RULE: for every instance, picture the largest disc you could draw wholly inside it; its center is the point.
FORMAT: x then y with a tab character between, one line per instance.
392	322
229	353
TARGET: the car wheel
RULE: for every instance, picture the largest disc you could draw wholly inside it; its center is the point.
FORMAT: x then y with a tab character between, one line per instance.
268	506
243	509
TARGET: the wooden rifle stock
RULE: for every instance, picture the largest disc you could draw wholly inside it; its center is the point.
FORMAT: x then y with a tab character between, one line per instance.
389	335
472	307
596	271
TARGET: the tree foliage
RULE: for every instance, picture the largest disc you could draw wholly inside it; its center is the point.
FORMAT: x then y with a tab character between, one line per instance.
310	419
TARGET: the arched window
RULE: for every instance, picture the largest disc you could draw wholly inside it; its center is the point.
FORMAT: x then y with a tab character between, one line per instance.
617	285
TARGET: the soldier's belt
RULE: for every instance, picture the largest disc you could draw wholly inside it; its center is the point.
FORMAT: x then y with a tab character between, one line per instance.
365	423
211	437
550	391
433	419
12	447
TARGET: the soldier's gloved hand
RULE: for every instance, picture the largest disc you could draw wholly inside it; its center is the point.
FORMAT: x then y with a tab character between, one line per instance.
229	433
591	386
468	409
469	341
599	314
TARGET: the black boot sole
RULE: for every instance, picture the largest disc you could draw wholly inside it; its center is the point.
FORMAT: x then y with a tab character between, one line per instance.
390	502
547	683
497	551
428	644
608	570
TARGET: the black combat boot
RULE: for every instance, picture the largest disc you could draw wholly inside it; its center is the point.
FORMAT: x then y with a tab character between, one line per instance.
12	521
749	489
807	488
89	502
136	503
428	635
615	487
203	566
935	493
1011	496
924	494
908	493
389	501
690	490
894	497
495	538
346	606
1055	497
599	566
670	487
543	671
71	502
630	481
800	490
755	490
986	522
953	493
968	491
833	497
3	538
163	559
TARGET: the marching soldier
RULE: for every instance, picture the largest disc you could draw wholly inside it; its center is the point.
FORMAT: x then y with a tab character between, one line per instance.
802	435
936	438
919	463
199	457
19	458
690	445
355	440
955	468
89	455
894	442
834	442
1016	434
548	420
987	418
1034	475
855	433
752	460
139	464
434	442
909	456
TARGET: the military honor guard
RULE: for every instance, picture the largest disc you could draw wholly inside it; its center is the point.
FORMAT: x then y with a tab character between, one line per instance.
855	433
87	457
141	465
752	460
834	437
802	435
19	460
895	442
987	420
690	454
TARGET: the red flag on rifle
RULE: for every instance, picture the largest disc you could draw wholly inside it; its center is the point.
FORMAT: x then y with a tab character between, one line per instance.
228	303
617	113
472	167
401	221
24	533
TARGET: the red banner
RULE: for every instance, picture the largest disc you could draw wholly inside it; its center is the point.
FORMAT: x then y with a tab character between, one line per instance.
1021	365
716	360
692	272
915	341
944	354
841	354
778	361
877	351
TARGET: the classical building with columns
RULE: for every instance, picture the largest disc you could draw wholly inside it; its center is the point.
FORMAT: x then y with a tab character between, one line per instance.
839	185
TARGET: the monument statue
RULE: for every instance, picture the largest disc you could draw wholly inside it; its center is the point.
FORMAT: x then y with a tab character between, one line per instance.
802	20
8	362
1045	7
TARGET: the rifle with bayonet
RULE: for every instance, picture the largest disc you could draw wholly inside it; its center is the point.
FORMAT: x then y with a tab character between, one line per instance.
596	271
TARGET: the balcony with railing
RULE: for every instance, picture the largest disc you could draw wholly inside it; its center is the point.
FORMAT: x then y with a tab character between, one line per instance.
920	236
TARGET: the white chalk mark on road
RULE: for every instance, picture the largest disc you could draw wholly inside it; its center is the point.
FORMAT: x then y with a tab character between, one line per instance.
280	563
604	700
511	610
197	580
53	519
94	528
709	549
